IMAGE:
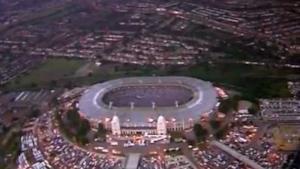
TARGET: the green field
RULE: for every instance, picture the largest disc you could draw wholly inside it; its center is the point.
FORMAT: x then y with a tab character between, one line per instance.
48	73
252	81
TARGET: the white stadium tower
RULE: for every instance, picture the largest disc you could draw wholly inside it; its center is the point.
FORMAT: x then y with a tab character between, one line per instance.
161	126
115	126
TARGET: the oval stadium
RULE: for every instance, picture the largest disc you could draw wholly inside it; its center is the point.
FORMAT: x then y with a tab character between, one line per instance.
140	104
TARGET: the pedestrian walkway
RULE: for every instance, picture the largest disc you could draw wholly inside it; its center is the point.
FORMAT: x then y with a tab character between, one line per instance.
133	161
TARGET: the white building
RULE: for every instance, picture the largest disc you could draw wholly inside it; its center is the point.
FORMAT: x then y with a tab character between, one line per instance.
161	126
115	126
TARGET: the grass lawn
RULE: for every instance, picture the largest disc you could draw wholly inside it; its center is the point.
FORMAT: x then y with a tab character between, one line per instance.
49	71
252	81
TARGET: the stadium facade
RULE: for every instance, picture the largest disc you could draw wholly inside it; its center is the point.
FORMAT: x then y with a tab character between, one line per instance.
152	105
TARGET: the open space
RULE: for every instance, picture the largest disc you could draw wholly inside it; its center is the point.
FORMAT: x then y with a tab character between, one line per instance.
50	72
269	81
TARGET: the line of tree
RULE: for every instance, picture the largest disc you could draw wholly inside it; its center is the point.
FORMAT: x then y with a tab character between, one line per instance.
230	104
78	126
200	132
73	126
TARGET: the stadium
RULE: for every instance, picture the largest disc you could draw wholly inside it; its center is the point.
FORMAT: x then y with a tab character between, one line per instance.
154	105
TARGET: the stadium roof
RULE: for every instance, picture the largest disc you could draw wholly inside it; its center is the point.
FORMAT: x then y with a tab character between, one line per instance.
205	99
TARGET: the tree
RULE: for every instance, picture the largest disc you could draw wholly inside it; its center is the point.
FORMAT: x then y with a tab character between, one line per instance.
76	127
73	117
224	107
229	104
101	132
219	134
52	84
215	124
84	127
200	132
35	112
253	109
